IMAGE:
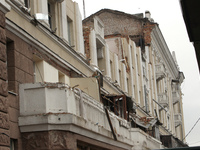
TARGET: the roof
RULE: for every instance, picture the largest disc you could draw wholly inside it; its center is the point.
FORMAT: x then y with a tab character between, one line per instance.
134	16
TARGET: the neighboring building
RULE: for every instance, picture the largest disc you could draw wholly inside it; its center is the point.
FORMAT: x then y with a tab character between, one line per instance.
109	84
190	11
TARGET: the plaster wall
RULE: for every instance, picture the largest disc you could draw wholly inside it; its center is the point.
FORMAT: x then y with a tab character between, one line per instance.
88	85
48	41
91	125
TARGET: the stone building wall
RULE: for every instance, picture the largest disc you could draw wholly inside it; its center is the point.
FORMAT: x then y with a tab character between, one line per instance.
4	118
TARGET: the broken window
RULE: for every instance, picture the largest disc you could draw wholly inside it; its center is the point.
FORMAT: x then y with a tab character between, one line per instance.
120	105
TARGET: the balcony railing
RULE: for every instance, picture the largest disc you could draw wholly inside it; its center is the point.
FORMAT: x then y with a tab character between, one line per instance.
43	103
47	106
160	71
176	97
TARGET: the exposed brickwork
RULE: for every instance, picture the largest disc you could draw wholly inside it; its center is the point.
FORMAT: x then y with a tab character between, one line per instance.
86	33
147	32
119	23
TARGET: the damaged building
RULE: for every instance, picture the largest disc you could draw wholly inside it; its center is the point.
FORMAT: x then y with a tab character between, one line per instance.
108	82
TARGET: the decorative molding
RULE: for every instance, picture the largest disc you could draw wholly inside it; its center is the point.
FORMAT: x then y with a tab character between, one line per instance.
4	140
4	7
3	56
4	121
40	46
3	104
3	70
48	140
159	43
3	88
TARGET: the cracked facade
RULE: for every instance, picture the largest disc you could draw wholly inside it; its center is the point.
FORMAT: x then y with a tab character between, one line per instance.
107	82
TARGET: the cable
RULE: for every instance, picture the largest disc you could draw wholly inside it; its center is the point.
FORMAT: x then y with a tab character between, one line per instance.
191	128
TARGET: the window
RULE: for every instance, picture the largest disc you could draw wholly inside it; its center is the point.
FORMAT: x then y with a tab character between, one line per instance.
120	78
70	31
128	89
27	3
13	144
116	104
111	69
137	63
50	14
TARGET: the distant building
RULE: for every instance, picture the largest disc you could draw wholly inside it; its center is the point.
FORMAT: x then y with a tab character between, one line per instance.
110	83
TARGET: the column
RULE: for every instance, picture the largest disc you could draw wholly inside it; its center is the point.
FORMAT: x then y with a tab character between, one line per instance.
64	21
93	48
107	59
79	30
135	73
131	71
124	78
116	68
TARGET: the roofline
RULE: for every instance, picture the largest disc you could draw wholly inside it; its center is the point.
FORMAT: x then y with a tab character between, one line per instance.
111	11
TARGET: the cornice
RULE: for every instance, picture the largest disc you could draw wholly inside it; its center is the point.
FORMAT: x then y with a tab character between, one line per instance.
40	46
4	7
159	42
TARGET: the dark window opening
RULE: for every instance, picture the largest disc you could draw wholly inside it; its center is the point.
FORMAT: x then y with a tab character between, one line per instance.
50	14
120	105
11	66
27	3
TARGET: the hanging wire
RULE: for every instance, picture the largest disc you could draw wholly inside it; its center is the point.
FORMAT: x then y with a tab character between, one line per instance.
191	128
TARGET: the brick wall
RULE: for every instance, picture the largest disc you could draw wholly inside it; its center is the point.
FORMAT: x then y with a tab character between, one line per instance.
86	33
147	32
119	23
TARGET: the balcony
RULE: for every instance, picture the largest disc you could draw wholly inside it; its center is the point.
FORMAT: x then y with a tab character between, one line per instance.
160	71
163	100
176	97
178	119
55	106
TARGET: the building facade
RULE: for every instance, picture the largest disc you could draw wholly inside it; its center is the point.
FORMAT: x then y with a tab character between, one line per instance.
109	82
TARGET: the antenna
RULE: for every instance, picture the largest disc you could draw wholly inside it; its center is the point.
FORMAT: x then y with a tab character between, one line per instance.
84	9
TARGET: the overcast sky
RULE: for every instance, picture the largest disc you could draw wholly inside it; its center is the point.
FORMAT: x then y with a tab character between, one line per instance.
167	14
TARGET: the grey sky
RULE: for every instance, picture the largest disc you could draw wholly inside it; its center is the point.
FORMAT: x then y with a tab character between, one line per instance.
167	14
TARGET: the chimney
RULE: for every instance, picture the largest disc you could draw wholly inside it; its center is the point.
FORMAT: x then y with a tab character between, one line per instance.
147	14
